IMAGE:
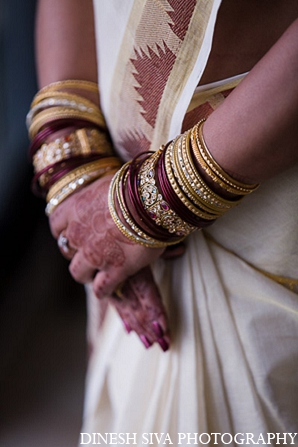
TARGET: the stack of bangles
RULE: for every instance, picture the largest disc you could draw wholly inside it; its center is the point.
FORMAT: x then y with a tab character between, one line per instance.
156	199
159	198
70	144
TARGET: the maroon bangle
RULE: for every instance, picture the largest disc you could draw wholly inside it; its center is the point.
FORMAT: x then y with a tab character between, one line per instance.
124	188
55	126
133	193
75	162
156	229
59	169
172	198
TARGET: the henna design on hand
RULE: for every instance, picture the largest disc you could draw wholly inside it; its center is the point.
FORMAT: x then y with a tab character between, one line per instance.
77	233
101	246
141	309
104	251
85	205
93	230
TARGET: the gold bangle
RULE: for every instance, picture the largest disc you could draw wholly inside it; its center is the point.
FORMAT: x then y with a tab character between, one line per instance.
53	95
71	84
213	169
149	243
176	187
51	99
189	179
185	176
58	113
81	142
120	180
209	197
85	169
155	205
77	183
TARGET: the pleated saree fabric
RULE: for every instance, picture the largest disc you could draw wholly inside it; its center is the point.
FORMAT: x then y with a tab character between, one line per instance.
232	298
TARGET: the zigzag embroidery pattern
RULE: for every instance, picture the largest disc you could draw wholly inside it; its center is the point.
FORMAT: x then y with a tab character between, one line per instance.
159	36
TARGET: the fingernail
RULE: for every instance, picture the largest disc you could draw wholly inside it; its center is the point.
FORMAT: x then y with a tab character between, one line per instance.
127	327
145	341
163	344
157	329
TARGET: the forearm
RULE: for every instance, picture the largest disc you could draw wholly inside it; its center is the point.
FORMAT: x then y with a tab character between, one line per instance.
65	41
254	133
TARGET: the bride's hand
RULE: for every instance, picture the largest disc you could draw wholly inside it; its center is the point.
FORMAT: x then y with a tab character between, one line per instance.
100	254
140	307
88	236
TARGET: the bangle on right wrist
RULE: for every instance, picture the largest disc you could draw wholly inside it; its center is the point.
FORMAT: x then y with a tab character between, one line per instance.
172	199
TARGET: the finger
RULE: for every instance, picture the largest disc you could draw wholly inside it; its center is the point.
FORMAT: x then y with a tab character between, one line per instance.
81	270
140	306
130	321
174	251
152	314
106	281
65	247
59	218
128	306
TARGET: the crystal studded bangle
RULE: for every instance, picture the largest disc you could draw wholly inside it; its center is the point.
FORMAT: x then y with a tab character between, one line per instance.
154	203
81	142
130	230
77	178
58	99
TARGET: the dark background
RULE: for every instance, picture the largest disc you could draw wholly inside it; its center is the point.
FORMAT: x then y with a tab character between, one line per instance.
42	310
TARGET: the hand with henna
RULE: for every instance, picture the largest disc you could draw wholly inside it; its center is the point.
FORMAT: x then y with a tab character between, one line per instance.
101	254
139	304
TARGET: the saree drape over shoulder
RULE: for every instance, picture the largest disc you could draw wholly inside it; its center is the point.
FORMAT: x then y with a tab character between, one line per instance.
232	298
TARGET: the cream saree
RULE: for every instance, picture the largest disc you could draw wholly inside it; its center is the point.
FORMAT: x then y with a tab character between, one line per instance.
232	298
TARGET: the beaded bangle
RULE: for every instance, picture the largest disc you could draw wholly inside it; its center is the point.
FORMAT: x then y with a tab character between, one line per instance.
76	179
176	188
109	162
57	99
184	174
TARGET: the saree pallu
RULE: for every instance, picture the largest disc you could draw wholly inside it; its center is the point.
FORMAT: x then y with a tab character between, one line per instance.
232	298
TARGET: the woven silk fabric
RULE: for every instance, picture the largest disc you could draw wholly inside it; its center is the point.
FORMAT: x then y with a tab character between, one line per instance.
144	96
232	365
